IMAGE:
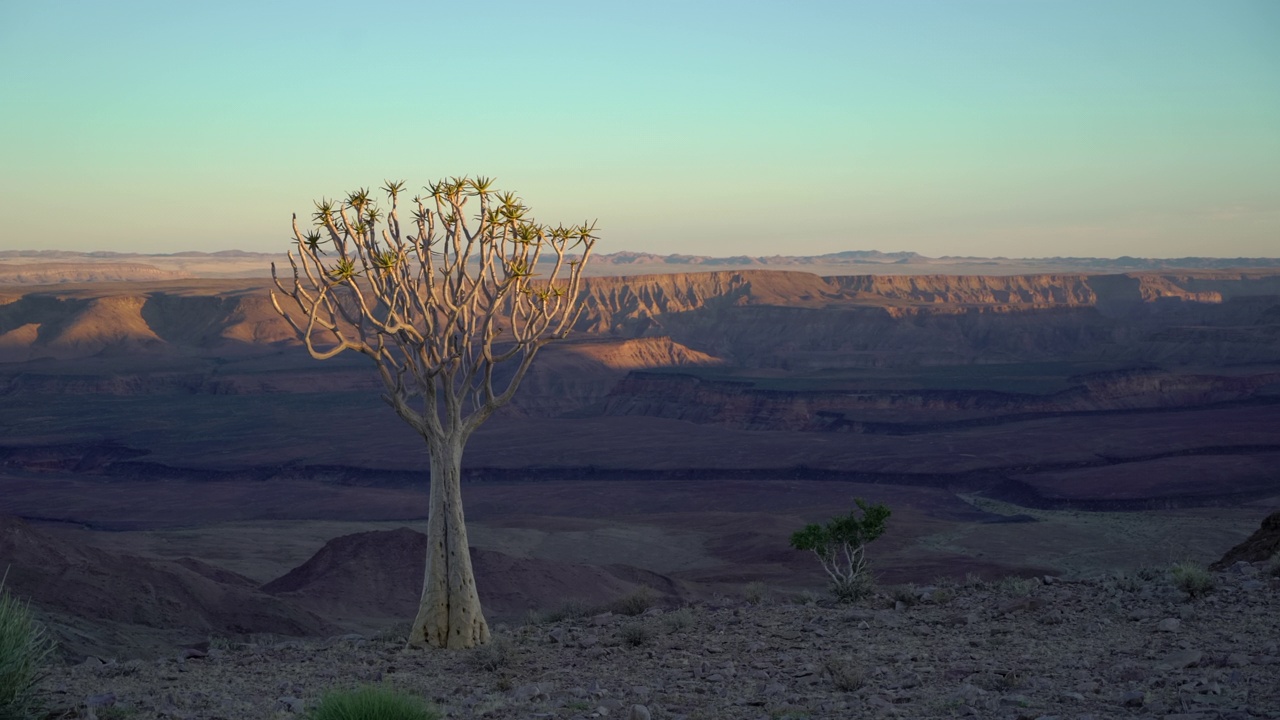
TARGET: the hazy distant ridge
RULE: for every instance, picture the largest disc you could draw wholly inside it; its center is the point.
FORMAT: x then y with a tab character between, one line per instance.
625	258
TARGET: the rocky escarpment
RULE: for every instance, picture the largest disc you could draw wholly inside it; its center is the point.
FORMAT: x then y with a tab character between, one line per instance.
1261	546
752	318
796	321
191	318
739	403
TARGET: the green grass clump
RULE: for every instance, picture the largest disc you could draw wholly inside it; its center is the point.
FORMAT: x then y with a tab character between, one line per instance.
634	603
637	634
570	610
678	620
1192	579
24	648
372	702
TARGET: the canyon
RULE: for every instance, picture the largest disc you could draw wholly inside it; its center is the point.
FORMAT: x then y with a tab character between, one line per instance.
1063	423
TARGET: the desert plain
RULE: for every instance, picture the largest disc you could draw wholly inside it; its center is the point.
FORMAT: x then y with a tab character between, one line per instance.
175	468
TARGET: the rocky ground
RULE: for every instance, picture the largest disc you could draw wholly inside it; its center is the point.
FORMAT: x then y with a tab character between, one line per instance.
1133	646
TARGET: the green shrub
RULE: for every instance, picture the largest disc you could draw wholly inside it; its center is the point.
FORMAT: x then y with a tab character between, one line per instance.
570	610
1192	579
905	594
633	603
841	548
1016	586
636	634
846	675
678	620
372	702
755	592
492	656
24	648
942	595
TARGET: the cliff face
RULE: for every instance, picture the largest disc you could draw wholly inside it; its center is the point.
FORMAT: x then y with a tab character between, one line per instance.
798	321
763	319
741	404
135	319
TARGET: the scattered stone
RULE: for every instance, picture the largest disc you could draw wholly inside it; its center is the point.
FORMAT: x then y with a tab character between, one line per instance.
526	693
1181	659
1133	698
1169	625
103	700
982	654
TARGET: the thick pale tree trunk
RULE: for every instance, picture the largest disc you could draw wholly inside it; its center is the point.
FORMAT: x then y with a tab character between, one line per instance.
449	614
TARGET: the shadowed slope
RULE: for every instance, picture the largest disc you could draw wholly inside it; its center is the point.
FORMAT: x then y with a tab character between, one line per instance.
379	575
1261	546
102	587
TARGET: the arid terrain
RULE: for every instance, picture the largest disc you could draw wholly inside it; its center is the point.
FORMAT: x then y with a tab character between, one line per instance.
183	470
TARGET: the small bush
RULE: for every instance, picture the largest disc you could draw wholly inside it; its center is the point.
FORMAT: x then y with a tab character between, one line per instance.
840	546
942	595
807	597
905	594
755	592
678	620
570	610
1192	579
636	634
24	648
633	603
1273	565
1016	586
372	703
846	675
492	656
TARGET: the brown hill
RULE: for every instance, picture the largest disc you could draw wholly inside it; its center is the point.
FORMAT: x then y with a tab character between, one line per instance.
1261	546
187	596
378	575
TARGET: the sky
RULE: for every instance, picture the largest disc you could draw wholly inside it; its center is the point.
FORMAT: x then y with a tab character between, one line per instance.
1016	128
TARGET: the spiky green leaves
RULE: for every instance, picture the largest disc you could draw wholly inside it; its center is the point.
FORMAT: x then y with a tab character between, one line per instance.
386	262
344	269
393	189
312	241
326	210
359	200
519	268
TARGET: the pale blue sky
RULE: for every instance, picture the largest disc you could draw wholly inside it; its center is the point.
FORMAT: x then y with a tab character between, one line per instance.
1019	128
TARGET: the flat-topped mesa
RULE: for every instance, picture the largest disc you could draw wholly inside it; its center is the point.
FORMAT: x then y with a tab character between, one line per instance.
52	273
1025	290
707	311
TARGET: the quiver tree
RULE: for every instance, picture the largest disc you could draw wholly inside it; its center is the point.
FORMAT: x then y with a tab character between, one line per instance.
437	305
841	547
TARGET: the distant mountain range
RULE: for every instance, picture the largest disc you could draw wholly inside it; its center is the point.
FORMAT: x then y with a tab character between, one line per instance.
625	258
